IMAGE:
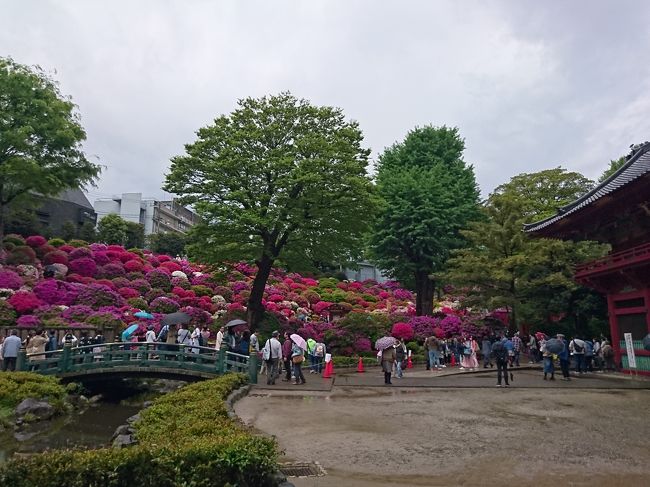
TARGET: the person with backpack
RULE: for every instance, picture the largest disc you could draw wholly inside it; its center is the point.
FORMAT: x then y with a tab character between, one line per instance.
577	349
319	352
162	337
549	367
500	354
271	354
564	357
608	356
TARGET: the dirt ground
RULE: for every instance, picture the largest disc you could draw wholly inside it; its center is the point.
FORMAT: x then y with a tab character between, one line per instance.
365	436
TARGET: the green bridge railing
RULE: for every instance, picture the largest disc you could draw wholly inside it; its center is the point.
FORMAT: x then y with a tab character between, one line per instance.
120	355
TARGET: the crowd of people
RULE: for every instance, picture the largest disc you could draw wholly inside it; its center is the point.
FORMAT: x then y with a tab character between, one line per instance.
286	359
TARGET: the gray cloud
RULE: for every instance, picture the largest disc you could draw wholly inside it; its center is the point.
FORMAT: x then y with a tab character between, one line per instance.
530	84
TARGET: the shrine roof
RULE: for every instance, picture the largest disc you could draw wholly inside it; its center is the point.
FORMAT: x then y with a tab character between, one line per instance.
637	165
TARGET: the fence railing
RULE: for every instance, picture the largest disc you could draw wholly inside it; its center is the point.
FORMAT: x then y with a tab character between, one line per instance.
69	360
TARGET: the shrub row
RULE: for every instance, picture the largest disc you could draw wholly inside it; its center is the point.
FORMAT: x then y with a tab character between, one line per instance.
16	386
185	438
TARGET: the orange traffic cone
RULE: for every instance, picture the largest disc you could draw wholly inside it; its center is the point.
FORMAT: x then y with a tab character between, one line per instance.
453	360
409	363
329	370
360	366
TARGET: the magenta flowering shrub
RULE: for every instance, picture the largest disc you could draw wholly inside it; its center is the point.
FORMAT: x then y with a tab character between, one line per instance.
170	266
112	270
10	279
140	285
403	331
83	266
80	253
78	313
35	241
51	291
24	302
98	247
28	321
101	258
423	326
128	293
133	265
160	279
97	295
55	257
105	319
199	316
403	295
153	294
362	345
163	305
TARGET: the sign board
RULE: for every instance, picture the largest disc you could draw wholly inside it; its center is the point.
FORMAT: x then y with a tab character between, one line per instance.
629	348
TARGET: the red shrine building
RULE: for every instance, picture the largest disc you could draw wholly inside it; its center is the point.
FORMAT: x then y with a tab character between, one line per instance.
616	212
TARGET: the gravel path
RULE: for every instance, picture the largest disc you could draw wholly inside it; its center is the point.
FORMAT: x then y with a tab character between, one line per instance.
460	436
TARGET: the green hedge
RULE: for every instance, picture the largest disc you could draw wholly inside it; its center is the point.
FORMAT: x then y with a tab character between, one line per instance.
185	438
16	386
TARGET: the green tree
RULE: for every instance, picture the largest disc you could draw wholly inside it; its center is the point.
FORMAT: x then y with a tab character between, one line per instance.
40	139
134	235
614	165
112	229
504	267
428	194
278	177
88	232
542	193
68	231
169	243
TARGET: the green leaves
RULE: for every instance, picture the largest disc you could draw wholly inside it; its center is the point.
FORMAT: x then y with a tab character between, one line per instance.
40	137
428	194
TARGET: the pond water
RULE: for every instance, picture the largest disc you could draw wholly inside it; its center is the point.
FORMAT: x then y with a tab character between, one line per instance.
91	428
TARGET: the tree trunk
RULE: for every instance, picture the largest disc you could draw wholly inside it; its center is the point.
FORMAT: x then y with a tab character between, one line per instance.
255	311
424	288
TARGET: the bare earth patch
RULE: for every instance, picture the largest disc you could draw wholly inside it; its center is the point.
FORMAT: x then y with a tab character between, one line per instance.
364	436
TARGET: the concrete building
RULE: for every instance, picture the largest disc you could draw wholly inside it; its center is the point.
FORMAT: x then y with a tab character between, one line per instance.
71	206
365	271
156	216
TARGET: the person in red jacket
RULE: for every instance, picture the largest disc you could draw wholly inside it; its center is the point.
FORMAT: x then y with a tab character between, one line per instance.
286	357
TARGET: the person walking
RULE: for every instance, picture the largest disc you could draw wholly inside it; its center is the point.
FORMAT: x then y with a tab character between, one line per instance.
517	345
11	347
311	349
577	349
589	356
297	358
532	349
286	357
217	344
52	342
388	356
469	361
37	345
486	350
608	356
400	355
564	358
433	346
501	359
271	354
319	352
549	367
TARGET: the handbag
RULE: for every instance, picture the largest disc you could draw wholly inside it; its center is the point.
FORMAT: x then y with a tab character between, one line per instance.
297	359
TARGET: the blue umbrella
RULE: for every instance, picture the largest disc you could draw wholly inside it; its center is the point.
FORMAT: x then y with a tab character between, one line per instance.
143	314
126	334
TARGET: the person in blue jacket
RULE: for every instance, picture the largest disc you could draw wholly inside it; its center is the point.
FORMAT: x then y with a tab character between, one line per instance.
564	357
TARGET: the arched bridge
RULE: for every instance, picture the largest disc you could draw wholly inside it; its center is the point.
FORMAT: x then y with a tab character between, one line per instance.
124	359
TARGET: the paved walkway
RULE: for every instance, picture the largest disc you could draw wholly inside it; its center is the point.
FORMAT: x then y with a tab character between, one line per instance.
523	377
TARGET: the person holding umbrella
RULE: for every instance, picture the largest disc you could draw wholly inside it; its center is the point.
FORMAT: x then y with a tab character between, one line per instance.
297	357
386	347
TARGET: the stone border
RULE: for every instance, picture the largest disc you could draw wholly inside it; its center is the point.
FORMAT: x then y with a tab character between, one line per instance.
278	478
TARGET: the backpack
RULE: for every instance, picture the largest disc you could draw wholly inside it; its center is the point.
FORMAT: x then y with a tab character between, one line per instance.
201	340
162	337
320	350
499	350
577	348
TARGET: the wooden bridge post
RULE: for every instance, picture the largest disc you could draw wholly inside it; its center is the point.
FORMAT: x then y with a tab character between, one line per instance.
21	361
66	357
221	361
252	368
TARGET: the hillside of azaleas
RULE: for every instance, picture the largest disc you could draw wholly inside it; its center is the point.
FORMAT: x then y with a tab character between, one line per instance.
100	287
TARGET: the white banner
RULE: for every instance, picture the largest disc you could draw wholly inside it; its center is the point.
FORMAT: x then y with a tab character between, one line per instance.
629	348
328	357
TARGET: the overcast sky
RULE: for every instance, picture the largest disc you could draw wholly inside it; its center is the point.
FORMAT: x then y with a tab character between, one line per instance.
531	84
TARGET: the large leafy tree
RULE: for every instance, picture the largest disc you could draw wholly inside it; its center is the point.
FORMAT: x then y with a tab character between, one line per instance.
40	139
112	229
278	178
167	243
428	193
533	278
